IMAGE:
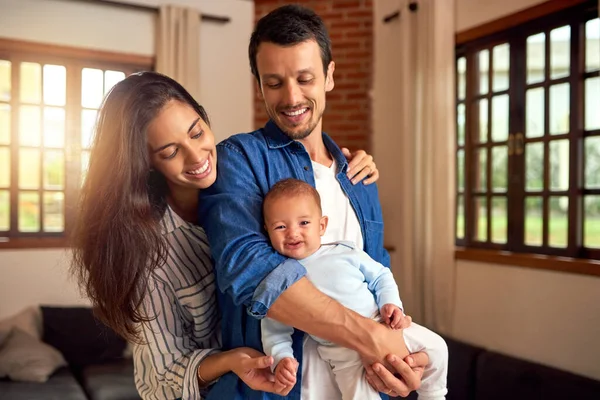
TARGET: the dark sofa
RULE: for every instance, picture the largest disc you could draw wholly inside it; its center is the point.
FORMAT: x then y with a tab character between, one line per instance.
475	373
97	369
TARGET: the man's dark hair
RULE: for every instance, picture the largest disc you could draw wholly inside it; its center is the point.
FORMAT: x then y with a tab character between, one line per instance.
287	26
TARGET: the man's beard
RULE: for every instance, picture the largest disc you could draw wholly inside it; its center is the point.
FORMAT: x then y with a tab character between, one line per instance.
295	135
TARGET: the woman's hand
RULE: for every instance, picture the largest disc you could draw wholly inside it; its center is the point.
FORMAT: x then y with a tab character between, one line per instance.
254	368
410	371
361	166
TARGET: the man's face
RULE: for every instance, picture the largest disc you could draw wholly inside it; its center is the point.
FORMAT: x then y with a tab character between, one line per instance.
293	86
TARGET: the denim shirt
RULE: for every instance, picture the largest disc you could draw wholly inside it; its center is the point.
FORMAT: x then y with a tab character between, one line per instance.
250	273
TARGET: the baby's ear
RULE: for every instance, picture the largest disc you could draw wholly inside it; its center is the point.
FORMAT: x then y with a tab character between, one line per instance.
323	224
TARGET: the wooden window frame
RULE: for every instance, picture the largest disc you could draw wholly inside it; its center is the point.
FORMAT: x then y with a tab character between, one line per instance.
74	59
491	34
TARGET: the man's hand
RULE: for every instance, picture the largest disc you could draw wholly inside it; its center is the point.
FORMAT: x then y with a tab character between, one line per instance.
406	377
392	315
285	372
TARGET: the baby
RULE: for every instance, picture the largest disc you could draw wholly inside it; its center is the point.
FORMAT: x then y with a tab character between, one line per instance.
295	224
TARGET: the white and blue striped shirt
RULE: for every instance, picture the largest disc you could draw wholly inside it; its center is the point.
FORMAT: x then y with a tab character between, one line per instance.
186	326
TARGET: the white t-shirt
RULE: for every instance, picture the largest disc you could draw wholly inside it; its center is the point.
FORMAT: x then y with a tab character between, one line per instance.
318	381
343	223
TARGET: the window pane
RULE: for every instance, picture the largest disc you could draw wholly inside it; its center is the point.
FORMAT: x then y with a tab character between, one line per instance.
560	52
54	170
30	126
92	88
5	82
499	168
4	210
592	45
536	58
55	85
31	83
54	127
558	224
500	118
484	64
501	58
591	222
54	212
29	169
480	170
85	163
461	69
29	212
559	165
534	166
4	124
88	120
460	217
559	108
460	166
4	167
534	113
533	221
111	78
592	162
499	220
592	103
483	120
460	129
480	232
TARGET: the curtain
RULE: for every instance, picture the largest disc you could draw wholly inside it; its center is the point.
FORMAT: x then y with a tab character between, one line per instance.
414	145
178	46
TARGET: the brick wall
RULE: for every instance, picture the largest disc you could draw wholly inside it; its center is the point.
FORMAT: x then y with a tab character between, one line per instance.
348	113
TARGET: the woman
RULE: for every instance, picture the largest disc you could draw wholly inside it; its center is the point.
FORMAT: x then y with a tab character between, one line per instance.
138	254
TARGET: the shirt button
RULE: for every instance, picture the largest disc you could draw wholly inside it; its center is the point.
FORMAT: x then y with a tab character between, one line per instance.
306	168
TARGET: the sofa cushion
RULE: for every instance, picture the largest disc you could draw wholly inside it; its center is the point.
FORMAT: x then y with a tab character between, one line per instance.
110	381
26	358
80	337
62	385
462	365
500	377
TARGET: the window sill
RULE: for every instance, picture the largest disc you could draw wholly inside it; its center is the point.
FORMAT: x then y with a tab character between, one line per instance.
535	261
33	243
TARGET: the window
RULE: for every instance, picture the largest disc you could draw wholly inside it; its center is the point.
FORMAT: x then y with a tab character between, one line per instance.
48	107
528	137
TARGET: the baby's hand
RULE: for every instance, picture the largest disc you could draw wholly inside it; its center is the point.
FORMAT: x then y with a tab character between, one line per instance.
285	372
392	315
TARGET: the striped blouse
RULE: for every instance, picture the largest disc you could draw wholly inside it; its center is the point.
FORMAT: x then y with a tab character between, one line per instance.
187	325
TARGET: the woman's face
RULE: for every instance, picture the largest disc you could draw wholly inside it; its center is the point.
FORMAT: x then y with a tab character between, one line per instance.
182	147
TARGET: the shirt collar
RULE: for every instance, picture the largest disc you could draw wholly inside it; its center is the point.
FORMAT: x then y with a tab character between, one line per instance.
277	139
171	221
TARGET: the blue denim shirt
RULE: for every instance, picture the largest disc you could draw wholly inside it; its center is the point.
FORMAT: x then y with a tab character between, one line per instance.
250	273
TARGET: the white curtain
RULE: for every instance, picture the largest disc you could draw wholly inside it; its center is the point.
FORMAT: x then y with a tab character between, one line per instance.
414	145
178	46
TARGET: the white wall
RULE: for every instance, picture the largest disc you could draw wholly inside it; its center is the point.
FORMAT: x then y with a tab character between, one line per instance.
39	276
547	317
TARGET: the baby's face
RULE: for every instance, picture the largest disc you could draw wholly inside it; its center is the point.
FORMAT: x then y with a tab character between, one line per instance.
295	226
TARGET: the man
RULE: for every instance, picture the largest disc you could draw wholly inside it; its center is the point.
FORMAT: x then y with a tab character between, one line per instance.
290	57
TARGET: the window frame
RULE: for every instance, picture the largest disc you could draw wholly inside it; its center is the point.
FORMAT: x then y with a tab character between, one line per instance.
515	29
74	59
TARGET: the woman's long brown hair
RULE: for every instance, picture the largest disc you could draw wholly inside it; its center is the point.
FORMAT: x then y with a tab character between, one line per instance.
117	240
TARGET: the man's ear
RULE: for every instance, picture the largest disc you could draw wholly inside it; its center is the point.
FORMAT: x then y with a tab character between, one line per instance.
329	84
258	89
323	225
